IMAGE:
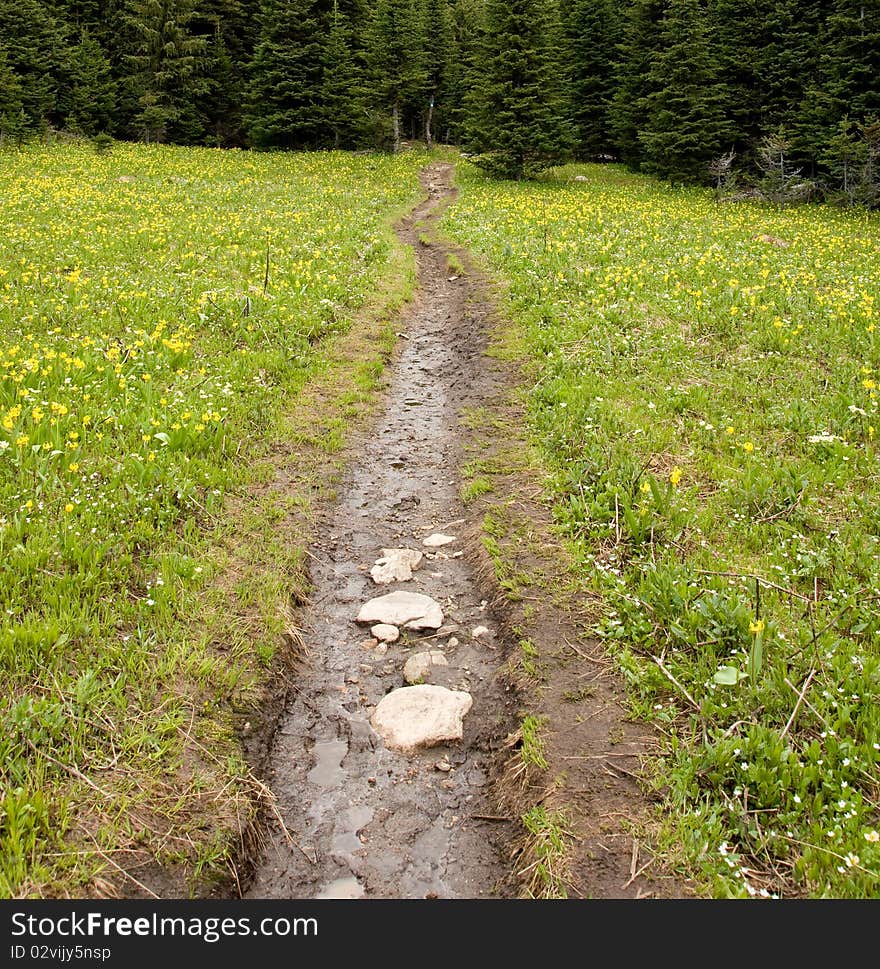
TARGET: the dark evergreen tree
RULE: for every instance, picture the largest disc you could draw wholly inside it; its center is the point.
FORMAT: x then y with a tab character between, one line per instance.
468	25
88	98
686	126
591	36
12	118
164	66
396	61
853	64
519	123
439	49
342	88
738	37
35	49
283	107
634	79
228	31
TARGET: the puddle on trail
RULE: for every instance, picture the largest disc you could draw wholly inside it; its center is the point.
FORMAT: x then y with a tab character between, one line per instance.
387	824
328	755
342	888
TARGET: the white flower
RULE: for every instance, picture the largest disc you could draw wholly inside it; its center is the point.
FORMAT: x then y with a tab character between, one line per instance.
823	438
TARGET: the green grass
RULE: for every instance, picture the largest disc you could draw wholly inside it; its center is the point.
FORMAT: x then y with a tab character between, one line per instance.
706	403
162	309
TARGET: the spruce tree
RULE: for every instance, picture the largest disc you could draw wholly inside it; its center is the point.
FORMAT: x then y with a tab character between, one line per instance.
35	47
591	36
396	61
88	98
163	62
283	106
468	25
519	121
342	85
634	80
12	117
227	29
686	127
853	66
738	37
437	27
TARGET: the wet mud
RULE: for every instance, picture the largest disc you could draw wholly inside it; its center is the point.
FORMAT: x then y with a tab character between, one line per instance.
361	820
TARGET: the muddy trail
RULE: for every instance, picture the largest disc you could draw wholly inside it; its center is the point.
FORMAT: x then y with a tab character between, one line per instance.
363	820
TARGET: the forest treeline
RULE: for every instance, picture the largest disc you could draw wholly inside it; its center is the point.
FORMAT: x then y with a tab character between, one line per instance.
778	93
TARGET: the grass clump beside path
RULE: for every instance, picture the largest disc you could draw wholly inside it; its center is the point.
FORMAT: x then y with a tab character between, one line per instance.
705	398
161	310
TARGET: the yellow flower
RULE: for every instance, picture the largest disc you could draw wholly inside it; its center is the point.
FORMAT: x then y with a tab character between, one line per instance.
645	487
73	467
728	430
68	508
756	627
675	475
748	447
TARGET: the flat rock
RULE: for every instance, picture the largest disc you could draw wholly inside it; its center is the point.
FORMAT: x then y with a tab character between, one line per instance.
437	539
395	565
410	609
417	668
385	633
480	632
420	716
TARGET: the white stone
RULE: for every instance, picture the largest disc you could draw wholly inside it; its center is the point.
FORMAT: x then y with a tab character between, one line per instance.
420	716
437	539
395	565
385	633
417	668
410	609
480	632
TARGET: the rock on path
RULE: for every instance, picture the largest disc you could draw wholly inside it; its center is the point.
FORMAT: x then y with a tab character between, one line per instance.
420	716
417	668
410	609
395	565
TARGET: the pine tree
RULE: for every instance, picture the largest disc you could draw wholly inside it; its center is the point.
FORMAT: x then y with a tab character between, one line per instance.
228	32
519	121
686	125
738	36
88	98
437	27
35	46
853	68
342	87
283	107
634	80
789	66
396	60
164	65
468	26
591	35
12	117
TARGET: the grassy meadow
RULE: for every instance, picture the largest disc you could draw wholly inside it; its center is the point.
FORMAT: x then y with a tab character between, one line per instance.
704	385
160	308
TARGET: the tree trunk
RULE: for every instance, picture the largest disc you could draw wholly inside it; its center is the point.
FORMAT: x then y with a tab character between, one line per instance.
429	139
395	124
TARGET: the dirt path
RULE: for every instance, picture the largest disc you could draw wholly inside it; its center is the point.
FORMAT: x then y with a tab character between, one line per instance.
368	821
